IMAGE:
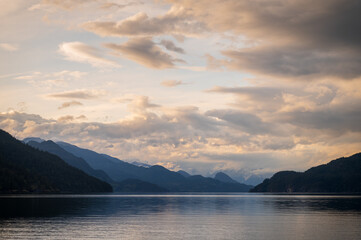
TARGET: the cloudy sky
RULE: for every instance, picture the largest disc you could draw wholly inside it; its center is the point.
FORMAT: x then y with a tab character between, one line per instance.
261	85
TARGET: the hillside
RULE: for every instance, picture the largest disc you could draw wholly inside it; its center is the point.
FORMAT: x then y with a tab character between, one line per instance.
340	175
53	148
222	177
27	170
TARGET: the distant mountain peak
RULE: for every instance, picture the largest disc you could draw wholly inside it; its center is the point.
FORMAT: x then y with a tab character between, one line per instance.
34	139
140	164
222	177
184	173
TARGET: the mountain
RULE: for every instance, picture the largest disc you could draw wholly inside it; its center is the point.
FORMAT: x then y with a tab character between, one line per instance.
198	183
256	179
119	171
222	177
116	169
340	175
136	185
53	148
245	176
35	139
25	169
183	173
140	164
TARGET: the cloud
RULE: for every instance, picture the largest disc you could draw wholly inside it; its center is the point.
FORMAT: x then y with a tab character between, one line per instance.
110	5
141	25
332	119
266	123
70	104
61	75
70	118
80	52
140	104
9	8
77	94
171	83
328	107
297	62
169	165
145	52
49	81
290	39
70	5
246	122
253	98
169	45
64	4
9	47
306	129
67	118
325	23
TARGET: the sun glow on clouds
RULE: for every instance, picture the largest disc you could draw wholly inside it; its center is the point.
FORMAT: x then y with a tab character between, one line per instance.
80	52
8	47
119	71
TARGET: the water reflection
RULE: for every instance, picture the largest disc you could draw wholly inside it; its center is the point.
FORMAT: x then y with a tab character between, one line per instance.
243	216
82	205
313	204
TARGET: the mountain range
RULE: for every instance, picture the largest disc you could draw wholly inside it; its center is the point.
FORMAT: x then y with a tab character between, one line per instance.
220	176
172	181
244	176
340	175
24	169
124	176
39	166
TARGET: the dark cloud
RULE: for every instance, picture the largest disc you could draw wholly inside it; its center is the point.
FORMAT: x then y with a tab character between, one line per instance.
77	94
144	51
295	62
298	38
169	45
335	120
321	23
70	104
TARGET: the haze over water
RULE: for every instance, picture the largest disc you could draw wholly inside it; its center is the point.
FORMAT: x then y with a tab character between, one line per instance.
208	216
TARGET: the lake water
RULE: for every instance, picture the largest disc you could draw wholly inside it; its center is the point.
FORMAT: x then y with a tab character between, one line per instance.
197	216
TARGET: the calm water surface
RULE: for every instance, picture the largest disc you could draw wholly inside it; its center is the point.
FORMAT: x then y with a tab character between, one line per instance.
206	216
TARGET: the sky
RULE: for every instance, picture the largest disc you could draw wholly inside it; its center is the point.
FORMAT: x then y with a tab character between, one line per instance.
207	85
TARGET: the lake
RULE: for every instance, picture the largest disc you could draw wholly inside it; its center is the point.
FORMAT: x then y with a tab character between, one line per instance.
180	216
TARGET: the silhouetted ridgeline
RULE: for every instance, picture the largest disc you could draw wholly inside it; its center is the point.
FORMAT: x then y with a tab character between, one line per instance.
220	176
340	175
172	181
32	167
24	169
53	148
